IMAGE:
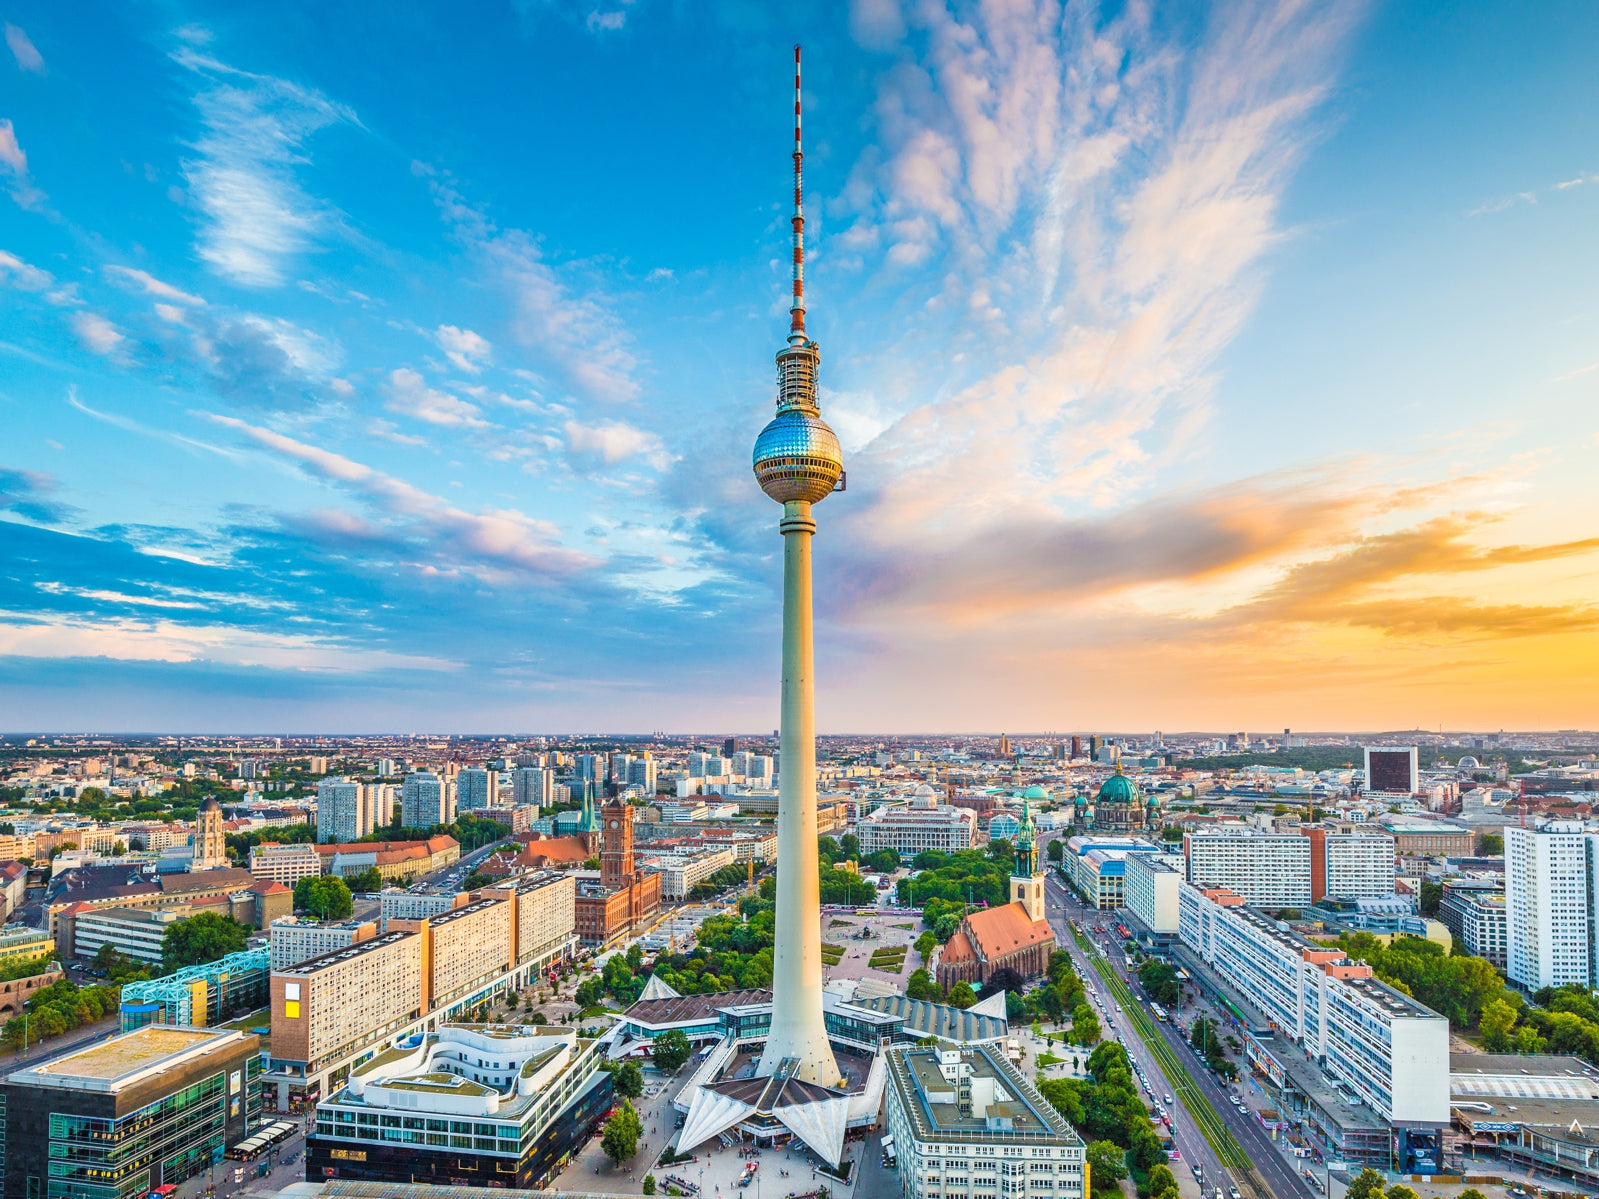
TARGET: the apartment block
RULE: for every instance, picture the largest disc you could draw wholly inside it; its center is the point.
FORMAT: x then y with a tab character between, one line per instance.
467	947
394	904
296	940
1350	865
1550	924
1389	1051
1474	911
1270	870
345	810
425	800
1150	885
546	917
333	1006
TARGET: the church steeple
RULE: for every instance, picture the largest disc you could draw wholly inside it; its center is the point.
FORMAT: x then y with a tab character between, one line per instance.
1026	880
1026	845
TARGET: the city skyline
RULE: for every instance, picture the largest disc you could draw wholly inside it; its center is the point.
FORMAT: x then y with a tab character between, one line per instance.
1229	369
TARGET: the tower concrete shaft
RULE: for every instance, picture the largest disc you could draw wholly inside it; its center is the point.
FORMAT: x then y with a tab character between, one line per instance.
798	1030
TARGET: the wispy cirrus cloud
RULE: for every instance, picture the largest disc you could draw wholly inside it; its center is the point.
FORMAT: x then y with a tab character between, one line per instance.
151	286
97	333
23	50
556	318
257	217
432	533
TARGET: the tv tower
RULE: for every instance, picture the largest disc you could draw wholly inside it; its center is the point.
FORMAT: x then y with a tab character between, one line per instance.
798	461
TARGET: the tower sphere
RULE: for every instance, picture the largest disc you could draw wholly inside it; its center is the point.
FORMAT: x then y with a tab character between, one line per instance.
797	457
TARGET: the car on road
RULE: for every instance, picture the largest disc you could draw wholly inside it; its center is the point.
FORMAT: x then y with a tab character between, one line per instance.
1232	1193
1168	1100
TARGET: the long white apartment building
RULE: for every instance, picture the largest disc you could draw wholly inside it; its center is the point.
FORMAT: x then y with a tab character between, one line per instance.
909	828
533	785
1377	1043
1550	927
1270	870
396	904
965	1124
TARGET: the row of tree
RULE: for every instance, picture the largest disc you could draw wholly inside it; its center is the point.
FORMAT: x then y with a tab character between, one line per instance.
1109	1113
59	1008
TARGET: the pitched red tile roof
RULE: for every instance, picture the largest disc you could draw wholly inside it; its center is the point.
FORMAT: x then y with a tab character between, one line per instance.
1004	930
957	949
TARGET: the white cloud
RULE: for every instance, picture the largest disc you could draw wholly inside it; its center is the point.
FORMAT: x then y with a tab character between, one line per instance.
97	333
491	542
256	215
464	348
1111	191
11	154
610	442
576	331
22	275
153	286
410	395
23	50
138	639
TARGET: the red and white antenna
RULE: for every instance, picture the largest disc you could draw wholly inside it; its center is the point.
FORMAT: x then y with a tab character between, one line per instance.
796	328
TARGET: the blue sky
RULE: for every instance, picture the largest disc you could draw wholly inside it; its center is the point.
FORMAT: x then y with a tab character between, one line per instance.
376	370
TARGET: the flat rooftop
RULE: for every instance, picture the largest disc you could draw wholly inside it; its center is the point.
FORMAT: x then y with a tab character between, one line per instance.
120	1061
917	1075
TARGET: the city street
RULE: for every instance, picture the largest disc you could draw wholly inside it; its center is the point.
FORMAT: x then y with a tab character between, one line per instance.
1274	1169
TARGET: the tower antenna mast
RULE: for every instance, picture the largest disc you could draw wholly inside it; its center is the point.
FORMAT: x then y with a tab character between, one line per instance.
796	309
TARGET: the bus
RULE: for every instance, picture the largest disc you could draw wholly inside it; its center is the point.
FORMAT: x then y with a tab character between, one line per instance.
260	1141
1160	1012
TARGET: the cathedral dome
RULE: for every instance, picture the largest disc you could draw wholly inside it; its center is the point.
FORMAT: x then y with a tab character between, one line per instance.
1118	789
1036	792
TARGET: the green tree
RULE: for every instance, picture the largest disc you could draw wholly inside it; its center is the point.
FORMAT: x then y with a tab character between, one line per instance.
946	926
925	944
1085	1025
1490	845
1471	1193
649	1184
1055	851
1400	1191
1160	980
1528	1040
1498	1018
961	995
1107	1164
368	881
920	985
850	846
1001	850
1162	1182
627	1077
620	1139
1432	895
670	1051
1368	1184
324	898
200	939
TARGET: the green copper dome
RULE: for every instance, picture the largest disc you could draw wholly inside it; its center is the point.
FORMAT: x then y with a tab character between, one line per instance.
1035	792
1118	789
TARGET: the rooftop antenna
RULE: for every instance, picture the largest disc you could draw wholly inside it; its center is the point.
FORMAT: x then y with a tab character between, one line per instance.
796	310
